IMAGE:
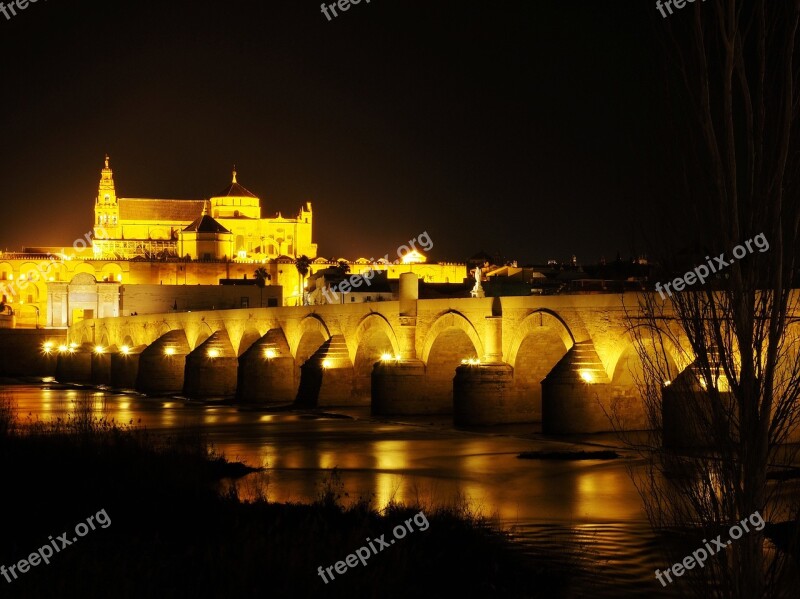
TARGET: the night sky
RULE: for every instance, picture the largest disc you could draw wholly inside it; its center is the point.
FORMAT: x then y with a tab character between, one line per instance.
529	128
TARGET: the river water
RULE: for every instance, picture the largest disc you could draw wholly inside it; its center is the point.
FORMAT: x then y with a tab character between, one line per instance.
588	508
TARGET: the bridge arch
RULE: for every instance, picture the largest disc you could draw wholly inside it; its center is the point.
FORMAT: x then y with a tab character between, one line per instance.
249	336
373	337
372	323
626	363
451	339
530	325
198	332
541	339
103	336
312	326
451	319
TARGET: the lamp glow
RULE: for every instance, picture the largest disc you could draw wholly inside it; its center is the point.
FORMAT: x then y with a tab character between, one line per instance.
99	349
387	357
213	353
124	350
269	353
63	348
587	376
169	351
326	363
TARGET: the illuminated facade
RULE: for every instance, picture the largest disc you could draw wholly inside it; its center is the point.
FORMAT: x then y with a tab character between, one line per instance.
226	226
141	241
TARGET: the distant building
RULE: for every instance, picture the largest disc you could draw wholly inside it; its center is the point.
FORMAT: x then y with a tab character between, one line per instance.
228	225
191	243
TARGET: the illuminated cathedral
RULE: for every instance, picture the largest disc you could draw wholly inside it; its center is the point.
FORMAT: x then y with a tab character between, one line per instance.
153	249
228	225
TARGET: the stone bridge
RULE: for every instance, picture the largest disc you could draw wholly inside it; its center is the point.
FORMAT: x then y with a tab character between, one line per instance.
563	360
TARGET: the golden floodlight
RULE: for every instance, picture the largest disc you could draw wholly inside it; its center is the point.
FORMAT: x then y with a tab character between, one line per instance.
213	353
326	363
124	350
99	349
63	348
269	353
387	357
587	376
47	346
169	351
414	257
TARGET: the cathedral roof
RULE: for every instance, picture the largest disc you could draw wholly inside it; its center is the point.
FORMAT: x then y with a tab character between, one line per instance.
206	224
137	209
234	190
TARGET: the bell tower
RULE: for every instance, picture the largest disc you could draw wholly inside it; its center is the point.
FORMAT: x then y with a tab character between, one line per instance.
106	207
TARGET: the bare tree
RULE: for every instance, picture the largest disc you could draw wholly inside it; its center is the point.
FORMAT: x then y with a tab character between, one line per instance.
721	374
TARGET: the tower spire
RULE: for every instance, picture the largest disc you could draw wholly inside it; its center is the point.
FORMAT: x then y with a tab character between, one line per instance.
234	173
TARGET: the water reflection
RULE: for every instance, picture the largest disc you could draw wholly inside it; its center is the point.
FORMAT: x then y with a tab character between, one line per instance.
588	503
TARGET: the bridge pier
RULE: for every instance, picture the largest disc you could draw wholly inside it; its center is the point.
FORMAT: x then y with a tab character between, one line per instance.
267	371
101	368
684	405
162	365
484	394
398	388
327	377
124	368
576	394
211	368
74	366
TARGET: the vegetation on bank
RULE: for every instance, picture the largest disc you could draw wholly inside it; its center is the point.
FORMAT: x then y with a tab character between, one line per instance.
173	533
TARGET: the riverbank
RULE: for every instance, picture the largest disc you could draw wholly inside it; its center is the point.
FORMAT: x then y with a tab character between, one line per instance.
173	534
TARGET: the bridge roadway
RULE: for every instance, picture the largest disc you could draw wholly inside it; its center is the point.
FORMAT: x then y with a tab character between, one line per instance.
564	360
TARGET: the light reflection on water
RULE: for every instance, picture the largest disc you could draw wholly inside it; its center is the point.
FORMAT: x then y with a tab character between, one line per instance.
590	508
